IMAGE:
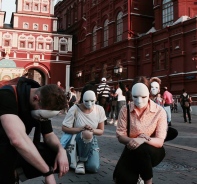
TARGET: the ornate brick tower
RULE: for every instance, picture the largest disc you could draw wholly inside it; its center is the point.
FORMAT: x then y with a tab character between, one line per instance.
31	41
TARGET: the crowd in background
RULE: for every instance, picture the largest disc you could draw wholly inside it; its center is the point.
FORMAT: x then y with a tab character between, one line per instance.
113	97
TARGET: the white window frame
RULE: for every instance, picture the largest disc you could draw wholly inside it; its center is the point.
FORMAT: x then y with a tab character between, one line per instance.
64	42
45	27
94	38
119	27
35	24
105	33
24	24
167	13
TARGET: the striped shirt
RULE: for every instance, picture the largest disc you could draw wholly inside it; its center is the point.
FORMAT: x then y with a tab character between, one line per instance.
104	89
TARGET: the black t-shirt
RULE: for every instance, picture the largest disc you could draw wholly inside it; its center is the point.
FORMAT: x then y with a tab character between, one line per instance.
8	105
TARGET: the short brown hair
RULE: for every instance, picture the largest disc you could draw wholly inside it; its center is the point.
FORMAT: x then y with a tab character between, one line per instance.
52	97
143	80
155	79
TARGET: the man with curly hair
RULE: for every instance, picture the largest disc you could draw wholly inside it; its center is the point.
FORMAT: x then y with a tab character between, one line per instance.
23	107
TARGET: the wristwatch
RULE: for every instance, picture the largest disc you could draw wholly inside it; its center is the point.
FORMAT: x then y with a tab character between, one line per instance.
49	172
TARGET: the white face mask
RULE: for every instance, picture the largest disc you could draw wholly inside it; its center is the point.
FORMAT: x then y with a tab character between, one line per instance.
140	95
155	88
89	99
43	115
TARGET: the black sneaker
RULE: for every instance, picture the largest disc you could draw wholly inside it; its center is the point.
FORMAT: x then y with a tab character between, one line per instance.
169	124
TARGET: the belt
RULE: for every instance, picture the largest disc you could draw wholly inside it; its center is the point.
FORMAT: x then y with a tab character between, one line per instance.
165	105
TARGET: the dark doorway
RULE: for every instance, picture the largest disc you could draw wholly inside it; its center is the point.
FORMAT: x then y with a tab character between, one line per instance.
37	75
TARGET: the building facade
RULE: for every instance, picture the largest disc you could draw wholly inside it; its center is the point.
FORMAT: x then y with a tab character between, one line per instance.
153	38
31	44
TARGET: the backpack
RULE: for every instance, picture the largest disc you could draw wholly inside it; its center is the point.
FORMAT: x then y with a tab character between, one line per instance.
185	100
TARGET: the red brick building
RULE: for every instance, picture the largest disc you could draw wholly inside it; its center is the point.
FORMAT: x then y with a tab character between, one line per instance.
31	43
143	37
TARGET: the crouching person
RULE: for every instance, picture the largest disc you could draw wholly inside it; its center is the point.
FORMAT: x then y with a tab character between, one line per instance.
23	107
85	121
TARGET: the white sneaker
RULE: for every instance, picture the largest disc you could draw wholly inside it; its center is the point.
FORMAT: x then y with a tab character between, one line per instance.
111	122
140	181
115	123
80	169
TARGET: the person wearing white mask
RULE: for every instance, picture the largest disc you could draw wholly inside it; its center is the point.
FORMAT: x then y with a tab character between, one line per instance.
23	107
87	121
155	82
144	145
155	90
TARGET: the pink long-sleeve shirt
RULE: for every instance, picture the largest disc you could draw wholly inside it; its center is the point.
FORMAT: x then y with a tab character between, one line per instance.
153	121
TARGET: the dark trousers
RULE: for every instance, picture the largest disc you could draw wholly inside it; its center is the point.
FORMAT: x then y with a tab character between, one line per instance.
103	103
186	110
138	162
8	157
10	160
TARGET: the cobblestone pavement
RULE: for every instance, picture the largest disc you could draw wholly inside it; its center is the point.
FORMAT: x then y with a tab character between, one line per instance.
178	167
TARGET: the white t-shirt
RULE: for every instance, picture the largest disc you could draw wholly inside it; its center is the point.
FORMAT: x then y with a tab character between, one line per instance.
120	96
81	119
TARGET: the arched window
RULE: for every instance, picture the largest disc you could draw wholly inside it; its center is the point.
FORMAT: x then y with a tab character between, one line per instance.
25	25
36	5
168	12
63	45
45	6
94	38
105	33
31	42
7	40
45	27
40	43
48	43
35	26
119	27
22	42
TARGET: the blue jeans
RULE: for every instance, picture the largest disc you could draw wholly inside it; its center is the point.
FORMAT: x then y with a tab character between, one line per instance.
168	112
88	152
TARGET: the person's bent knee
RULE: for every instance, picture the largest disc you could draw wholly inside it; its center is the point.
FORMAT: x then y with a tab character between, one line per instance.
86	134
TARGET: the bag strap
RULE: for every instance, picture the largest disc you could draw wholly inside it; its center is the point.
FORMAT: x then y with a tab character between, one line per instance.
128	120
15	92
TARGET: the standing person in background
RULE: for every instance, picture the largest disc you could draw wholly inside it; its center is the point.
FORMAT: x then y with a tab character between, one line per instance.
120	101
155	83
128	94
59	85
185	101
155	91
113	103
103	92
167	102
73	98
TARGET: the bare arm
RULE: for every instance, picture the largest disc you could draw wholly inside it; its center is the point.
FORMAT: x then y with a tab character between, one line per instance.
130	142
15	131
98	131
61	160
